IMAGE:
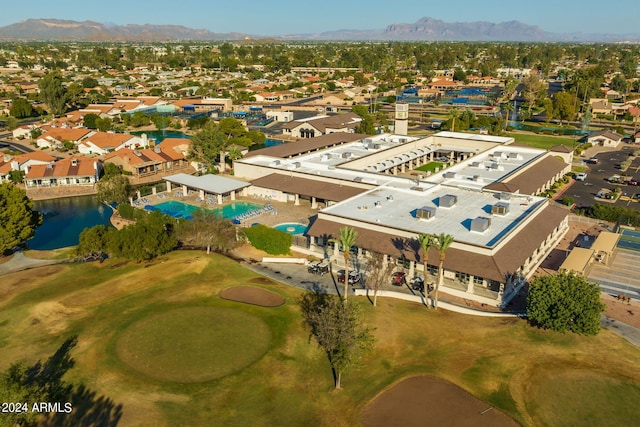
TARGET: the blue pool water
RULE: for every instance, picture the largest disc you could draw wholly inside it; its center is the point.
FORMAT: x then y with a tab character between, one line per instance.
183	210
160	135
291	228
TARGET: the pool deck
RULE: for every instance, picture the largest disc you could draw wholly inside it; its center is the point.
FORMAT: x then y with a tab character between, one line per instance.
284	212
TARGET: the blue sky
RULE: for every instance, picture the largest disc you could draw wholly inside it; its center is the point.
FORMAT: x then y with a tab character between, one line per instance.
281	17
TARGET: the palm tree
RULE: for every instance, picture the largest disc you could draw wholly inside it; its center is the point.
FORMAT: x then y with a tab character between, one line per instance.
442	243
508	108
427	241
347	239
453	114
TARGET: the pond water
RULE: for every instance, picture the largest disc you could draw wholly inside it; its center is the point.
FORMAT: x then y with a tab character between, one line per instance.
64	219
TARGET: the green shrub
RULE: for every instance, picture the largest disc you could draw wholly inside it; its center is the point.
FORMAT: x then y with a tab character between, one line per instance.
568	201
270	240
126	211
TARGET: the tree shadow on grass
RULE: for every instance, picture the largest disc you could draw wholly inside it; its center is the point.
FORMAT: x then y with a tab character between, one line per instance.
43	382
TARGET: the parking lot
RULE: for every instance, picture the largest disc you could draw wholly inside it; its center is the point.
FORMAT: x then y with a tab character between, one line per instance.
584	192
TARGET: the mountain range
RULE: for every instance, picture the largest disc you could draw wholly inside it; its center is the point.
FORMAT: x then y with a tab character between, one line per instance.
425	29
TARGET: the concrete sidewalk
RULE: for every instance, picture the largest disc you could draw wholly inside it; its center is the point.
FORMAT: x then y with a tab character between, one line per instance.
20	262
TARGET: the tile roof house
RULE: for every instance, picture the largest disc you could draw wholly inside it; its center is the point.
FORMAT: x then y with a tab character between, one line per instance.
104	142
75	170
322	125
168	157
22	162
55	137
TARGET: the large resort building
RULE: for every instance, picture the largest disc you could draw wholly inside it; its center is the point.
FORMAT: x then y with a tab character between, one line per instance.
485	197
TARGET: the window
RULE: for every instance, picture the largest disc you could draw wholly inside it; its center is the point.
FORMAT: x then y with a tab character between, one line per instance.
463	277
478	280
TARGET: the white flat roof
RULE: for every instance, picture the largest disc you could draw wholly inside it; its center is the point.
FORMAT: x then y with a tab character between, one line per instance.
397	208
213	184
487	167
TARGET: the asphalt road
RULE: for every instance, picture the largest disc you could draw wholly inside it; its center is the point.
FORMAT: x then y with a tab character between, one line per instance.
584	192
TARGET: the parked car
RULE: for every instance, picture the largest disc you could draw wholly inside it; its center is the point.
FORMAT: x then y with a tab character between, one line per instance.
399	278
581	176
354	277
633	182
593	160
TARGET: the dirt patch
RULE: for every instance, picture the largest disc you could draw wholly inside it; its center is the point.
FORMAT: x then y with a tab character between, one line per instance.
55	316
252	295
420	401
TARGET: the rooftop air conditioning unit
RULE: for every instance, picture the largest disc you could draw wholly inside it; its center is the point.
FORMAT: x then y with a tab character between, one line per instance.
425	212
500	208
480	224
475	164
377	204
346	155
157	149
450	175
137	153
417	188
275	163
515	156
448	200
74	162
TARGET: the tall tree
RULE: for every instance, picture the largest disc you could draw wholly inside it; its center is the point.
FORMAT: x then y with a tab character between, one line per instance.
564	105
442	243
18	220
453	115
208	230
427	241
346	240
508	107
53	93
339	330
565	302
20	108
207	144
114	189
378	273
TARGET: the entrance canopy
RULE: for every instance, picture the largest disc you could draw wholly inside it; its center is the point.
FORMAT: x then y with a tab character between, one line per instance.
212	184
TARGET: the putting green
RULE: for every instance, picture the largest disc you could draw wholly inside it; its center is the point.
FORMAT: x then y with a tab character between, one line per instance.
193	344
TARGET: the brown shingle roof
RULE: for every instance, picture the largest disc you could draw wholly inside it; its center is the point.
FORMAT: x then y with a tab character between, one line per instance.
532	177
506	261
332	122
307	187
294	148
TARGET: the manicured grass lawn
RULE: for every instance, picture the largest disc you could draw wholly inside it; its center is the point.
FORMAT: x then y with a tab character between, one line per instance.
194	344
430	167
542	141
116	307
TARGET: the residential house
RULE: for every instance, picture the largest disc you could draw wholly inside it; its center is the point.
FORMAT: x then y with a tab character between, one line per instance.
322	125
105	142
71	171
56	137
600	106
22	162
167	157
24	131
605	138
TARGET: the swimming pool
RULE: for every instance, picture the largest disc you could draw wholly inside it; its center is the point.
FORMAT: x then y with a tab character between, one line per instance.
291	228
184	210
